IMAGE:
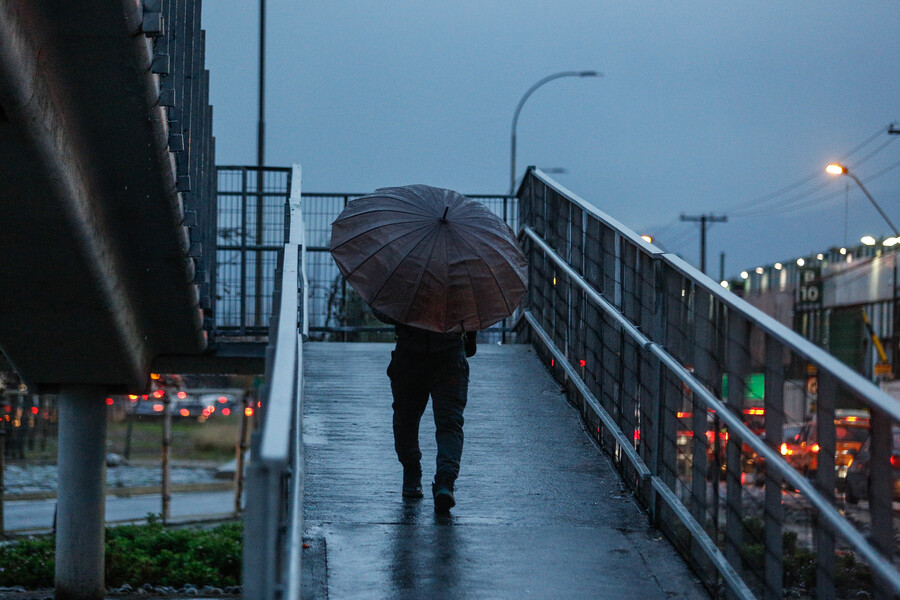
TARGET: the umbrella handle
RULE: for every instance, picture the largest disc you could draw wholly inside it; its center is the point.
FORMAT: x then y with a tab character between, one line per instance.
444	218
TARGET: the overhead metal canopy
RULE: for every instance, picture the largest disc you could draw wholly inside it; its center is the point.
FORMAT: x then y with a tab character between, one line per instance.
96	273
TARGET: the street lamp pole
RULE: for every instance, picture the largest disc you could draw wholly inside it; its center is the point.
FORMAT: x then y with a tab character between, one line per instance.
512	154
837	169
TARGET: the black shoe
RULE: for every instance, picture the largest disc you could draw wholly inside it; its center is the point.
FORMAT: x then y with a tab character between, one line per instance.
443	497
412	483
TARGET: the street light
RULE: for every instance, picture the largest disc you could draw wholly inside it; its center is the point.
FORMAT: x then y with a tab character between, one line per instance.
512	154
839	169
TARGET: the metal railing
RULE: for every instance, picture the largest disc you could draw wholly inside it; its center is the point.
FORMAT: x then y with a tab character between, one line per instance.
686	385
273	533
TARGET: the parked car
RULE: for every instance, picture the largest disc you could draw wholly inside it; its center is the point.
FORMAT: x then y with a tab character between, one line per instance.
851	430
858	478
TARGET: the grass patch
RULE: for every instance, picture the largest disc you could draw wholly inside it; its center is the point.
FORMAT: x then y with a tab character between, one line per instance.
138	554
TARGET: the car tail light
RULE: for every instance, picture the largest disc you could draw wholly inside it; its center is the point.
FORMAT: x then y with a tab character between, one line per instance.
182	395
109	402
132	397
895	461
814	448
158	407
226	411
159	393
35	410
184	412
223	399
248	411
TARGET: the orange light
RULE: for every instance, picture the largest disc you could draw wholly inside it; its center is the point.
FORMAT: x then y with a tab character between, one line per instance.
852	419
211	408
159	393
182	395
158	407
132	397
35	410
258	404
222	399
154	376
814	447
583	363
226	411
785	451
109	402
248	411
684	415
184	412
754	411
554	281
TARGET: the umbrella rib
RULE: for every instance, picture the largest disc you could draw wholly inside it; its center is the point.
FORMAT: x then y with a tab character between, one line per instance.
397	266
383	246
474	295
489	268
434	241
367	231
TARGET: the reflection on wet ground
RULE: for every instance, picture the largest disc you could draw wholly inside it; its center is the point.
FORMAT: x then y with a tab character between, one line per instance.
540	511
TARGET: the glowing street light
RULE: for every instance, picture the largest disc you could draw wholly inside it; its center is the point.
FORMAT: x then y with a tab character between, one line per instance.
647	238
839	169
800	262
868	240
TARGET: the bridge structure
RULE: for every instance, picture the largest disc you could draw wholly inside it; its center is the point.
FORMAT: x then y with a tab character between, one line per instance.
630	409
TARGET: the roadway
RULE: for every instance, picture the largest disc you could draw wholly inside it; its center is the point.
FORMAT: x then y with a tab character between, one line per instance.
34	516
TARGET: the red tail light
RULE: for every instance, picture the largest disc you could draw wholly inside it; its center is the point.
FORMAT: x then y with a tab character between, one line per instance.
159	393
223	399
182	395
895	461
35	410
226	412
109	402
637	434
158	407
248	411
184	412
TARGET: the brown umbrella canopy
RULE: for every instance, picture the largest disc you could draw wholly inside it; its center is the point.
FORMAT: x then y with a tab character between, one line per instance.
430	258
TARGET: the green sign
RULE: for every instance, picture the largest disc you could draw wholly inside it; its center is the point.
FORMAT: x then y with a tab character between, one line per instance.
754	387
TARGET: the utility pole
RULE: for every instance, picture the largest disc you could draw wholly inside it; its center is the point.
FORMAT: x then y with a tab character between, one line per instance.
703	220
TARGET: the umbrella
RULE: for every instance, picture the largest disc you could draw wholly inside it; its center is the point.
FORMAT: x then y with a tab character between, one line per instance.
430	258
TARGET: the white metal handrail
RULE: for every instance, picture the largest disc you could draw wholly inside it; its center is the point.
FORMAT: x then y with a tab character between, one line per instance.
274	514
827	364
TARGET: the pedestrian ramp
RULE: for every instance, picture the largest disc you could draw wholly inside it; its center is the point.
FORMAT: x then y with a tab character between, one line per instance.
540	512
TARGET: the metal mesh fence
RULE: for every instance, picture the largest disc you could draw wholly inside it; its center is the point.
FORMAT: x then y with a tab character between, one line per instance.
251	205
773	466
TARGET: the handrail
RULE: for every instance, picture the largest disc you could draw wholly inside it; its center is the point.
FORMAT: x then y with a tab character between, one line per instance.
631	261
274	524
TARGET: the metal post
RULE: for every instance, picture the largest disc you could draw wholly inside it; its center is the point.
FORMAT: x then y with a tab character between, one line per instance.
241	450
881	483
2	471
774	405
166	445
825	434
738	365
81	493
261	128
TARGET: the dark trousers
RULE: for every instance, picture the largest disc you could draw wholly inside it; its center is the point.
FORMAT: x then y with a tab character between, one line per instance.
445	377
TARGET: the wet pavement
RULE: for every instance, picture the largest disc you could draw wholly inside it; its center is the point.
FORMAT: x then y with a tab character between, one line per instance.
540	511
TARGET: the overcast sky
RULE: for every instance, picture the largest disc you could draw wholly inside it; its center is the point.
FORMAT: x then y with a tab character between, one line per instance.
705	107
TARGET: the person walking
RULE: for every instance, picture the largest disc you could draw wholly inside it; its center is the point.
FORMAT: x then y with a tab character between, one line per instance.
439	267
423	364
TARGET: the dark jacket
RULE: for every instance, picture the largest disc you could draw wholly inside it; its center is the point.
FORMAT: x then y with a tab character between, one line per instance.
428	342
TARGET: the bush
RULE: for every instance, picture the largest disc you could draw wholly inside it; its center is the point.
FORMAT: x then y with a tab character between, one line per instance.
138	554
